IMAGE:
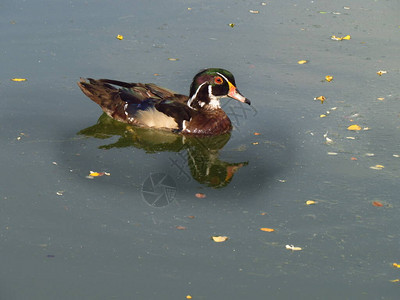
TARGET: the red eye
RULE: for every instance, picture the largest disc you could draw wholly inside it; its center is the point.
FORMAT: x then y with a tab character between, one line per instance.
218	80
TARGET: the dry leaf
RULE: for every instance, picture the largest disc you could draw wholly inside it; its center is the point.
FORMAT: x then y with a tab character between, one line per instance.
311	202
381	98
381	72
18	79
377	204
322	116
353	158
354	127
267	229
255	143
120	37
188	297
395	280
191	217
293	248
396	265
320	98
231	25
328	78
377	167
302	62
219	238
173	59
257	133
336	38
180	227
200	195
254	11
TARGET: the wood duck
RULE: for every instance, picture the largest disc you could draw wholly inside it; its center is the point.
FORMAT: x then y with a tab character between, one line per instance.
148	105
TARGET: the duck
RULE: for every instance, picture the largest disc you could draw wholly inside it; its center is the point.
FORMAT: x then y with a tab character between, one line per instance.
149	105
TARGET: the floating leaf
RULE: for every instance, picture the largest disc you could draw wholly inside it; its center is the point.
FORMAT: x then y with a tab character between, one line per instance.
381	72
395	280
380	98
320	98
354	127
18	79
180	227
322	116
267	229
377	204
191	217
377	167
257	133
173	59
311	202
188	297
337	38
353	158
396	265
328	78
302	62
255	143
231	25
219	238
254	11
60	193
293	248
200	195
120	37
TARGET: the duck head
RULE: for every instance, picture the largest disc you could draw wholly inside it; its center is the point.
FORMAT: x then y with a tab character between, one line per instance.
209	86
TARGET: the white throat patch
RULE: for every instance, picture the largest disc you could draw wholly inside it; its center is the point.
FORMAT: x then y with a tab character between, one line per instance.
214	100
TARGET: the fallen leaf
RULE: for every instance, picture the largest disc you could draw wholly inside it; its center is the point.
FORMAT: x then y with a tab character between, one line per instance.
257	133
219	238
293	248
378	204
18	79
377	167
328	78
60	193
354	127
320	98
96	174
347	37
188	297
200	195
180	227
396	265
254	11
267	229
336	38
231	25
353	158
173	59
191	217
322	116
255	143
381	98
263	213
381	72
302	62
120	37
395	280
311	202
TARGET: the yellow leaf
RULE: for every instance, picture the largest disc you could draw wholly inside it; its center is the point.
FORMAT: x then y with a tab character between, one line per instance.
381	98
95	174
173	59
377	167
347	37
231	25
267	229
18	79
322	116
381	72
293	248
188	297
219	238
395	280
302	62
354	127
336	38
320	98
328	78
120	37
311	202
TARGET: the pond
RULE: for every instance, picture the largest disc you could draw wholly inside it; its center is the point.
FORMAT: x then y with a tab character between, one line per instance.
95	209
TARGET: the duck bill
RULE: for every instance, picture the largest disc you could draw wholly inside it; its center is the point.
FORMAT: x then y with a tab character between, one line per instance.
235	94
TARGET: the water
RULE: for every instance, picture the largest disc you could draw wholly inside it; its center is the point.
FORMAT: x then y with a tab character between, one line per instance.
65	236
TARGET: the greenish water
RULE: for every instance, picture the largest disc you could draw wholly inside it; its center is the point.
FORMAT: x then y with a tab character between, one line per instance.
66	236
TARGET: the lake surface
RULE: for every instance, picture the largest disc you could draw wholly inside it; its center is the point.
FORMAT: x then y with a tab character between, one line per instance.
144	229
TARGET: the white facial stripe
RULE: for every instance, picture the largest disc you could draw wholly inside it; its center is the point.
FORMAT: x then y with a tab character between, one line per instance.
189	103
224	77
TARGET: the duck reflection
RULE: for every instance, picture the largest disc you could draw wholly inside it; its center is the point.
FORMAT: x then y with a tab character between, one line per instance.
201	153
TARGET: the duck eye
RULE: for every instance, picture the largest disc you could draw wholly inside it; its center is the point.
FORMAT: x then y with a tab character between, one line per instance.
218	80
